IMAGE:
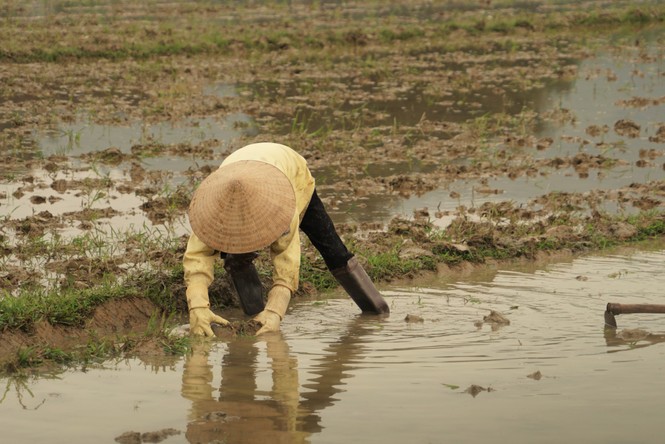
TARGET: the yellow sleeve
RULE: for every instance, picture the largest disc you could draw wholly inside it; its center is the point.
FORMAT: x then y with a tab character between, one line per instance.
198	264
285	254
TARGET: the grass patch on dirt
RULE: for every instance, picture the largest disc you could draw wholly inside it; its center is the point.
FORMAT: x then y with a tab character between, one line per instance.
116	329
47	358
69	308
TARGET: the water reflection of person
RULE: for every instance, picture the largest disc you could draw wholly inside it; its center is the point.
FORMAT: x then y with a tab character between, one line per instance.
241	413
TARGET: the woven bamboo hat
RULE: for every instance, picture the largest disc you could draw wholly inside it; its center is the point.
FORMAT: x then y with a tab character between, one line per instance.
242	207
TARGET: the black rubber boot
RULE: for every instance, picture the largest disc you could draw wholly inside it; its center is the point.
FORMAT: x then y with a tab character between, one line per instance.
353	278
246	281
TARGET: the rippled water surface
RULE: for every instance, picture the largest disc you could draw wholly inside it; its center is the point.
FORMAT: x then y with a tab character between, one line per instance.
552	375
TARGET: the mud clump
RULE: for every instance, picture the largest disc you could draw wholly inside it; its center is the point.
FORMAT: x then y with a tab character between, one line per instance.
110	156
628	128
622	230
660	135
537	375
413	319
597	130
496	318
237	328
474	390
146	437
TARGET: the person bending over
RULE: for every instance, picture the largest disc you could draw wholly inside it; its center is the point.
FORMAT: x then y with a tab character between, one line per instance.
261	196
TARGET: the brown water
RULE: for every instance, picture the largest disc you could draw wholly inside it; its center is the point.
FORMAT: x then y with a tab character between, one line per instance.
334	376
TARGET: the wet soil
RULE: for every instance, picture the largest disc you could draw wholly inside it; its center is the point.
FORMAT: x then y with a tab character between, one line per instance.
103	144
237	328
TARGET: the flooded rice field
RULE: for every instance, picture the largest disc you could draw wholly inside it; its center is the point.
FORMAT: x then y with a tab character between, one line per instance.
438	369
593	125
445	136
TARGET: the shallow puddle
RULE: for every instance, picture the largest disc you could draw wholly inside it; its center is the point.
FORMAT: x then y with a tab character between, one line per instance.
83	137
551	375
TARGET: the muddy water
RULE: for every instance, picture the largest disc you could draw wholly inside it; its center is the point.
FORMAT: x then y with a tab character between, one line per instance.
552	375
83	137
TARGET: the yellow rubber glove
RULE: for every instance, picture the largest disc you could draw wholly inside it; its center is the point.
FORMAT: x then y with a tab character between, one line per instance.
200	315
278	301
200	319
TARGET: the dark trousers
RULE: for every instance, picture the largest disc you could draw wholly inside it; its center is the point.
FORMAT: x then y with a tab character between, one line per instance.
319	228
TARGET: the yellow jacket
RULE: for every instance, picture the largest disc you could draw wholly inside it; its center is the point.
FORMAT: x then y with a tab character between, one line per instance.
199	259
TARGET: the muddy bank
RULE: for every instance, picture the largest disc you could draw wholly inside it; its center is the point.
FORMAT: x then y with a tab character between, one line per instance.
109	324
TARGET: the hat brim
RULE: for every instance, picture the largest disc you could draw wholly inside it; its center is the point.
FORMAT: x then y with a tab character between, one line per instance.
242	207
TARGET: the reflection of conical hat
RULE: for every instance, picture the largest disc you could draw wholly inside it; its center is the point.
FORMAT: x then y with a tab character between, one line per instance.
242	207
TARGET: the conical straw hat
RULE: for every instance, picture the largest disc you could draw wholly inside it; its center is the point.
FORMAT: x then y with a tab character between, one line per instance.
242	207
